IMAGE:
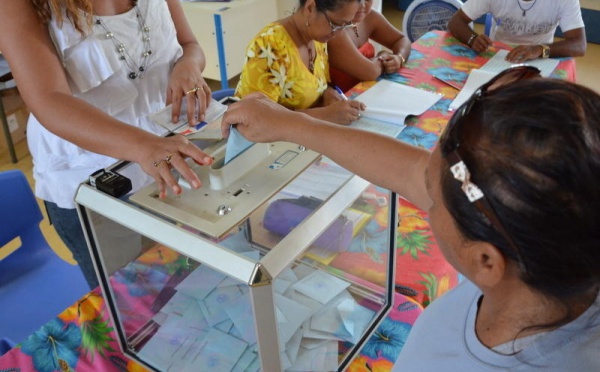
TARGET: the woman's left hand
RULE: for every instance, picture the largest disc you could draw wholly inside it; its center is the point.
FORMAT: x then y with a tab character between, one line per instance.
391	62
186	83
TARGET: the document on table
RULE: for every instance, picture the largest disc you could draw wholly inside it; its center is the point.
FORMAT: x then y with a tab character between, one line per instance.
476	79
213	113
392	102
499	63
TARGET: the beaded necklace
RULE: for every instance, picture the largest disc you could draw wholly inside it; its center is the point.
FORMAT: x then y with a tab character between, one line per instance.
137	70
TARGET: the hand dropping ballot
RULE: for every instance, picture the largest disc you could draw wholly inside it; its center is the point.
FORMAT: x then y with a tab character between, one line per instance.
236	144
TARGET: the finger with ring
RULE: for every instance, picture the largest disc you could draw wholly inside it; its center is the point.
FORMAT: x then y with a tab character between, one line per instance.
193	90
167	159
157	163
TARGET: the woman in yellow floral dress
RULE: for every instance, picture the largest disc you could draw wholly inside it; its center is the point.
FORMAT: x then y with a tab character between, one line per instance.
287	61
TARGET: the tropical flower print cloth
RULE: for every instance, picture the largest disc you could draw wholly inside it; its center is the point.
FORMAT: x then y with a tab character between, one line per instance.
273	66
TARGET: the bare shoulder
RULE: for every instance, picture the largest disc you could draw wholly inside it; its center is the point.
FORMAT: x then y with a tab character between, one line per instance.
18	20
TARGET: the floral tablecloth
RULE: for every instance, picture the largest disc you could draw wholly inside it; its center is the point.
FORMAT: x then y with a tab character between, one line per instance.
82	338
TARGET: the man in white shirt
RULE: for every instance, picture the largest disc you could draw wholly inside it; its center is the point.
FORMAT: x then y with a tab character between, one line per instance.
528	24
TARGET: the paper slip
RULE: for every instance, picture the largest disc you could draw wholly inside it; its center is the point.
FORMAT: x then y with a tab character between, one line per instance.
163	118
476	79
498	63
236	144
393	102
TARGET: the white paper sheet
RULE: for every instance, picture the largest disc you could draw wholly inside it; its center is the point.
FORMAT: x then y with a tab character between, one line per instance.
378	126
162	117
392	102
476	79
321	286
498	63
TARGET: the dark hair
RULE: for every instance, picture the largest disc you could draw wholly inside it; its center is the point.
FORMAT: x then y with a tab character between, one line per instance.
328	5
537	160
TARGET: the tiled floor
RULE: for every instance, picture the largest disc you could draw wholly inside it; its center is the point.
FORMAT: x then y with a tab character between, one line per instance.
587	74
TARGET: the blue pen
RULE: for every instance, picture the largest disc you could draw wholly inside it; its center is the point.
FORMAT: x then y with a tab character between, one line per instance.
340	92
200	125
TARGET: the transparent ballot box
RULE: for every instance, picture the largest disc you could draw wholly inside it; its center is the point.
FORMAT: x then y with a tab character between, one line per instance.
281	261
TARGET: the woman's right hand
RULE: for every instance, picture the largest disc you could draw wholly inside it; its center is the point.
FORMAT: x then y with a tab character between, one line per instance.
342	112
162	154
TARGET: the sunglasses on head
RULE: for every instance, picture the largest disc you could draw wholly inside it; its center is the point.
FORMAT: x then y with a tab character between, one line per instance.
450	144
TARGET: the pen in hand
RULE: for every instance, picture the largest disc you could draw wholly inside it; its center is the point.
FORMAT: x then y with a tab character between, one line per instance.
340	92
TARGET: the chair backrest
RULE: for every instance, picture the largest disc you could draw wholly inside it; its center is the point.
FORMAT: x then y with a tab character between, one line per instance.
220	94
489	20
20	212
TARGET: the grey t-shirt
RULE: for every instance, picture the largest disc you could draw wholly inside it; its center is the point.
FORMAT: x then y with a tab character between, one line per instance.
444	339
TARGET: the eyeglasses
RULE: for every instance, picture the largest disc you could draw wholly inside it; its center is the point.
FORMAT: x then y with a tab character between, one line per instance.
335	27
450	142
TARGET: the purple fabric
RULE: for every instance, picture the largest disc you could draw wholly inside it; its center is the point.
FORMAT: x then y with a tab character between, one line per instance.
283	215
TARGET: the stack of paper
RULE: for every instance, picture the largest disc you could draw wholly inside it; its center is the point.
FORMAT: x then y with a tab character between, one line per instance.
493	67
499	63
208	323
392	102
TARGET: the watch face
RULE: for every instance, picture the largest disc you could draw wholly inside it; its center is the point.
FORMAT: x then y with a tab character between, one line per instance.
545	51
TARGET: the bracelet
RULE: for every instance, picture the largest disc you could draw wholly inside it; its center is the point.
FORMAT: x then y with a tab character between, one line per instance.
402	59
472	38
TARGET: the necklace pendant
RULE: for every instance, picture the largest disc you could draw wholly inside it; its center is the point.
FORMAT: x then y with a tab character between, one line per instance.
524	13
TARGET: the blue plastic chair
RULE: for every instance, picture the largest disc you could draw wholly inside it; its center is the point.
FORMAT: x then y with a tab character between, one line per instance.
35	283
488	24
220	94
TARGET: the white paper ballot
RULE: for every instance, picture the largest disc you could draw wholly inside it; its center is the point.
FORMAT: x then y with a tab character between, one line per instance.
392	102
236	144
321	286
499	63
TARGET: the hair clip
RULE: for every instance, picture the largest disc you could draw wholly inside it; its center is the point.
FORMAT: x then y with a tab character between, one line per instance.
461	173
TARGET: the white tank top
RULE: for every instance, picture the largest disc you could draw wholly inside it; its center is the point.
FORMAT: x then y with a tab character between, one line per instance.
97	75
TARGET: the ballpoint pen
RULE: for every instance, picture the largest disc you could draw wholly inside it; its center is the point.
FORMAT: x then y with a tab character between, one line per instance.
340	92
447	82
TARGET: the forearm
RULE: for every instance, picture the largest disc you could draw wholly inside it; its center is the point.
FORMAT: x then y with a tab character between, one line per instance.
459	27
567	48
402	48
192	50
91	128
381	160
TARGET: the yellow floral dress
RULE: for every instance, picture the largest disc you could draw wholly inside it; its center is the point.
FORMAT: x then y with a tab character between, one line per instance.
273	66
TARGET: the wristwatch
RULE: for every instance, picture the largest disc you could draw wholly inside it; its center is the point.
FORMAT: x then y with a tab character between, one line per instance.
545	51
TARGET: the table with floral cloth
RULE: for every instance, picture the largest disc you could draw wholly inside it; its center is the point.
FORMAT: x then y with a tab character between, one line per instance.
83	338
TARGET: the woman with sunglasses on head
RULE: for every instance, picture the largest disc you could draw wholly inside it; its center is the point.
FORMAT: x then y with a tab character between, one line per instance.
288	62
90	72
352	56
513	200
